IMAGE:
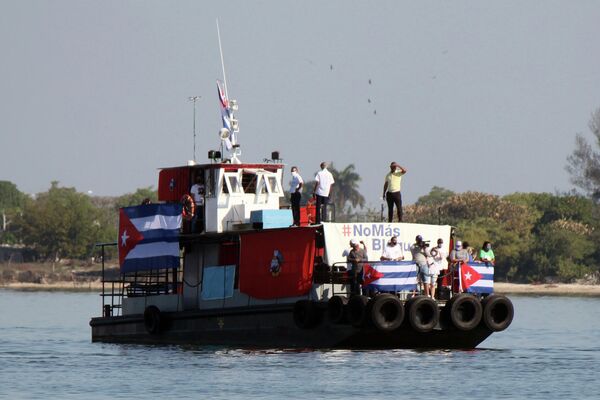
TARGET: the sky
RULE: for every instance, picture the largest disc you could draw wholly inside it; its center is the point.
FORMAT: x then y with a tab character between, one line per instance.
466	95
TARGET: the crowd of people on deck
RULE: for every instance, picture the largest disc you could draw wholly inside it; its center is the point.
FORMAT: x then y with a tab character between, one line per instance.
429	262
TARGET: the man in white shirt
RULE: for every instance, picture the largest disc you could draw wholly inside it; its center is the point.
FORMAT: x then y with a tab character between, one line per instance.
438	263
323	182
296	194
197	192
392	251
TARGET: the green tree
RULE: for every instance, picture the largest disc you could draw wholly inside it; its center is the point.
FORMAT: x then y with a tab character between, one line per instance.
10	196
563	250
345	190
61	223
12	201
136	198
436	197
584	162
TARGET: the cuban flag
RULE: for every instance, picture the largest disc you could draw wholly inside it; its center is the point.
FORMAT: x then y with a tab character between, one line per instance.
225	115
390	276
477	277
222	95
149	237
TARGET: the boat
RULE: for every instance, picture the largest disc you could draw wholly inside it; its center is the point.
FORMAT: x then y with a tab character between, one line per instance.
242	276
229	268
245	277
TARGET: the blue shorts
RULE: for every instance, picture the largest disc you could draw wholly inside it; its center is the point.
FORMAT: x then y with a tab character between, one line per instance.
425	274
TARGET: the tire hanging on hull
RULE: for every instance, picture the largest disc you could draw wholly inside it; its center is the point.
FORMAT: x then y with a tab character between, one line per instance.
498	312
336	309
306	314
357	313
152	320
387	312
423	313
463	311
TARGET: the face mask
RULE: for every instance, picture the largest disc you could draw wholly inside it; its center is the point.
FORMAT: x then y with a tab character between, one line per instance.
397	170
488	247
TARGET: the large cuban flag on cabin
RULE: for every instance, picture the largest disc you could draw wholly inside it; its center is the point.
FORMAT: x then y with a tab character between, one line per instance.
390	276
149	237
477	277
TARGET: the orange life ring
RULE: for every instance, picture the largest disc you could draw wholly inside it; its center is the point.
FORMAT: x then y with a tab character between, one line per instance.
189	207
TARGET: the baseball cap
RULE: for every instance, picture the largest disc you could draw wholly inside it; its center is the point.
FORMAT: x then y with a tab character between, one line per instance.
419	238
353	242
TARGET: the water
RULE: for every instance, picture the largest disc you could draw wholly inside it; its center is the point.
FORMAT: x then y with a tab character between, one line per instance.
552	350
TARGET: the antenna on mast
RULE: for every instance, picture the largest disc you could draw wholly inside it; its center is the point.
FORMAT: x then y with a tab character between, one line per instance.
230	123
194	99
222	61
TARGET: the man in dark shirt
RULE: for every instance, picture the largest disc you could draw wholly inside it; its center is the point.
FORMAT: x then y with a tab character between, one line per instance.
356	258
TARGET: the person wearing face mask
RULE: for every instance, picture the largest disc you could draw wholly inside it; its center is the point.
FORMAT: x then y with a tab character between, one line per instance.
486	254
356	257
459	254
438	255
296	194
392	251
391	190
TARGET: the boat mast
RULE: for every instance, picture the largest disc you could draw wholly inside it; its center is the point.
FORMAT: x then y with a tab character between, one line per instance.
232	106
222	61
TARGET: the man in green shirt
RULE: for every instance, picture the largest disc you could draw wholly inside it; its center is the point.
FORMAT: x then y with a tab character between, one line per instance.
391	190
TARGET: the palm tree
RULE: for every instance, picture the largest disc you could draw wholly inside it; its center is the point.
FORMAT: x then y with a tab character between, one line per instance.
345	189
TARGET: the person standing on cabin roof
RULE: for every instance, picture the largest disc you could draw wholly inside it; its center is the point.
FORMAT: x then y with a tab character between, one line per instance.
392	251
296	194
323	182
356	258
391	190
197	192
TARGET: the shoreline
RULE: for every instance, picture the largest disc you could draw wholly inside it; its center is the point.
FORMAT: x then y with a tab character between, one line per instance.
547	289
551	289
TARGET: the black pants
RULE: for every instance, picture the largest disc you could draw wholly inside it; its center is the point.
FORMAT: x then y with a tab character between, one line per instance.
296	207
394	198
356	280
321	211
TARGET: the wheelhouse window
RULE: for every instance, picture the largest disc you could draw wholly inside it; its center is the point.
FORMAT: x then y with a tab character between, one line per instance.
231	183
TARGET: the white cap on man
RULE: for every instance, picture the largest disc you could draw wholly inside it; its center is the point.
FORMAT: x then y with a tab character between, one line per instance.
353	242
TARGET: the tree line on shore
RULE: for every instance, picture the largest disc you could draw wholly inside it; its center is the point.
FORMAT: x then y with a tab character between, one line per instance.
536	236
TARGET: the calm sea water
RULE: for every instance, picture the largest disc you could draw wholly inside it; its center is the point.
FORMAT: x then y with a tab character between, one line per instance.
551	351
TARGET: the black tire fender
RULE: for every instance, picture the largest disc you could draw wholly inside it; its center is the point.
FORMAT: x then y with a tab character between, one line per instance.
498	312
336	309
387	312
306	314
464	311
356	311
152	320
423	313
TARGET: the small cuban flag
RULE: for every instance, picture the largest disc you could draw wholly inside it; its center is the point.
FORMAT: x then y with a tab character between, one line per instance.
477	277
149	237
225	115
391	276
